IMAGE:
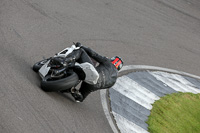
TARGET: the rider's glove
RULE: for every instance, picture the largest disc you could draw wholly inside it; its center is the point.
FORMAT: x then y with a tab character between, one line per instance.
70	61
78	44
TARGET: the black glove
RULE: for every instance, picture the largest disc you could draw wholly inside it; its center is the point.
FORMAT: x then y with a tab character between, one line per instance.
57	60
78	44
68	59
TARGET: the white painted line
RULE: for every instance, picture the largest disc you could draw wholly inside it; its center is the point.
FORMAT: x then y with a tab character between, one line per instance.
175	81
135	91
127	126
189	87
130	90
168	82
131	95
137	87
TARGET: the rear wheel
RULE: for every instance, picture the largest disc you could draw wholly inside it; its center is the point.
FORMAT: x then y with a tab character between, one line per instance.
39	64
66	82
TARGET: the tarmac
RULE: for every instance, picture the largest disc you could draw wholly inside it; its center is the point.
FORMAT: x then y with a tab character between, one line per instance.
128	103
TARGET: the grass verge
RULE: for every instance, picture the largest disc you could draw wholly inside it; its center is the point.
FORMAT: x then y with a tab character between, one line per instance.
175	113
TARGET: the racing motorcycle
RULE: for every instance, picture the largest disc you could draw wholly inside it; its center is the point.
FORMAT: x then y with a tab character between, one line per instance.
56	73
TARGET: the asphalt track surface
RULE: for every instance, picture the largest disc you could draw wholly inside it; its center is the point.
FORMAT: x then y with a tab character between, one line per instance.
154	32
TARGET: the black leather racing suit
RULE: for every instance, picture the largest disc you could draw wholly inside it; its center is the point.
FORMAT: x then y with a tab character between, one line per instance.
107	71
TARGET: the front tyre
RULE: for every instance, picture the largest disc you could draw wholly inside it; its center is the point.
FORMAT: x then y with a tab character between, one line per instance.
38	65
50	85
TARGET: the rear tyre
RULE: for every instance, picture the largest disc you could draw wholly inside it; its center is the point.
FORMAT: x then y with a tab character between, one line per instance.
38	65
50	85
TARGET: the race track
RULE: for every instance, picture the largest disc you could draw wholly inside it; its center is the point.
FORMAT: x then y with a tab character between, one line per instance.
154	32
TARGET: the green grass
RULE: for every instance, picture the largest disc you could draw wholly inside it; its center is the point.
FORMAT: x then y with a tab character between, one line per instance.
175	113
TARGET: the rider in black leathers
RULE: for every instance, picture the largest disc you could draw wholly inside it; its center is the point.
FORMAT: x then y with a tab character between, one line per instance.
107	70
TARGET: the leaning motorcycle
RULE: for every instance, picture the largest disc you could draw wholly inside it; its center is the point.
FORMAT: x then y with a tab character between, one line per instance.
56	74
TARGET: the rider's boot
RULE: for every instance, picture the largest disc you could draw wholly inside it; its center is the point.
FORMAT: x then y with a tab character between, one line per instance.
77	95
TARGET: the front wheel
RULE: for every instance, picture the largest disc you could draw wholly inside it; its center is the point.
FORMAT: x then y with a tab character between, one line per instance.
38	65
50	85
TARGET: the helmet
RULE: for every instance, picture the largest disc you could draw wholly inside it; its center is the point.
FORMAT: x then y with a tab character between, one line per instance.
117	61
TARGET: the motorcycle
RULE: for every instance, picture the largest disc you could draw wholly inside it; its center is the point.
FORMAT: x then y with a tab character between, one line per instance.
56	74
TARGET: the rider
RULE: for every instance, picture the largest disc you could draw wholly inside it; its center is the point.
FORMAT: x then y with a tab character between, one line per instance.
100	77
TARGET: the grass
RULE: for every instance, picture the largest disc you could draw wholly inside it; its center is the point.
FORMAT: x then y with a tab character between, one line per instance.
175	113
